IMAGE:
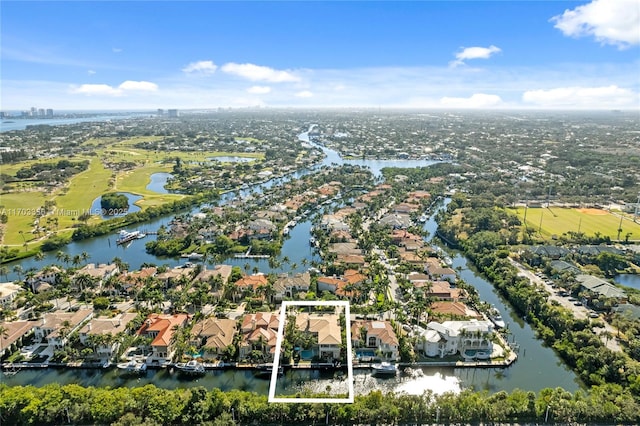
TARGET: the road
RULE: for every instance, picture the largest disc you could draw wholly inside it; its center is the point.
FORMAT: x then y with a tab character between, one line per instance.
579	311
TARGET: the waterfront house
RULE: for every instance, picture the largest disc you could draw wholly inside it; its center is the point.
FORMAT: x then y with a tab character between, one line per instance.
8	293
259	332
453	337
48	275
99	274
453	309
212	336
15	334
326	329
437	272
101	333
160	328
375	335
55	327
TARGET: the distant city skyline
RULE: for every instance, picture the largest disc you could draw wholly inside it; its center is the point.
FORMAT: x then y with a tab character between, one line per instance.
426	54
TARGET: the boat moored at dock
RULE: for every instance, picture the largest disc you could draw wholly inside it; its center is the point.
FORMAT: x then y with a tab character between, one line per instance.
384	369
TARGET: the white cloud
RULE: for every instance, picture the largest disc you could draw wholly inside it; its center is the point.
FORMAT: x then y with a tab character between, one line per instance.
91	72
144	86
203	67
96	89
106	90
259	73
477	100
474	53
259	90
116	50
615	22
583	97
304	94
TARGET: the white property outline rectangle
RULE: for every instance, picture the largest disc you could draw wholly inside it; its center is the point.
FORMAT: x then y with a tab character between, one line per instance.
280	338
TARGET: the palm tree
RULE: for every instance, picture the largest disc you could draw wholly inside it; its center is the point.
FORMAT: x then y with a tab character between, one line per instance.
17	269
85	281
4	270
76	260
39	255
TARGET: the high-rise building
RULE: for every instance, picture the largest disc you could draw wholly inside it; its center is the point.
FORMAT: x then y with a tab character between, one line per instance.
49	113
160	112
173	113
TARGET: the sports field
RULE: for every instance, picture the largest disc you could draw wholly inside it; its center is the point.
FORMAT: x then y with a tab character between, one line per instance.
547	222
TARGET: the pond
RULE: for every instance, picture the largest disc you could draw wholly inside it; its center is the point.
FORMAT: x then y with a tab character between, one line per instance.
97	209
628	280
158	181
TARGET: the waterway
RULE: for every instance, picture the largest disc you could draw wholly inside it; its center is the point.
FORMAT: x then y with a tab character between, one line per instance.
537	367
158	181
9	124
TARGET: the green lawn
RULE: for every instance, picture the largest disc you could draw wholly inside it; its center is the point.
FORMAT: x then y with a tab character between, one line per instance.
557	221
21	213
82	190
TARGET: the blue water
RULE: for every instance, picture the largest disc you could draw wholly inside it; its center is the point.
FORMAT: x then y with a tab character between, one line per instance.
158	181
9	124
306	354
628	280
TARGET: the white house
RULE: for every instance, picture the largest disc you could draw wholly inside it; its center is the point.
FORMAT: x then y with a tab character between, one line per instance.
55	327
8	293
452	337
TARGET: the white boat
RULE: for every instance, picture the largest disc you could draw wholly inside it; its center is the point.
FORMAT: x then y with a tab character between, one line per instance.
312	241
423	218
496	318
191	367
126	236
384	369
132	367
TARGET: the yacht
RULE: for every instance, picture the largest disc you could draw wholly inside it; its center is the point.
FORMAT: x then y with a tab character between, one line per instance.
132	367
496	318
192	367
384	369
126	236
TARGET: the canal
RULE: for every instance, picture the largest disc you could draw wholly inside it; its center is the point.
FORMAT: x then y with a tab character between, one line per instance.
537	367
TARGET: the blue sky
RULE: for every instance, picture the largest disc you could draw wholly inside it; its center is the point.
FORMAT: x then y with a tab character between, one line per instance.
208	54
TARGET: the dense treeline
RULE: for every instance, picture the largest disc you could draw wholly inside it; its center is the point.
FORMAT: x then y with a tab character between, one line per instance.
149	405
65	167
114	201
572	338
85	231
